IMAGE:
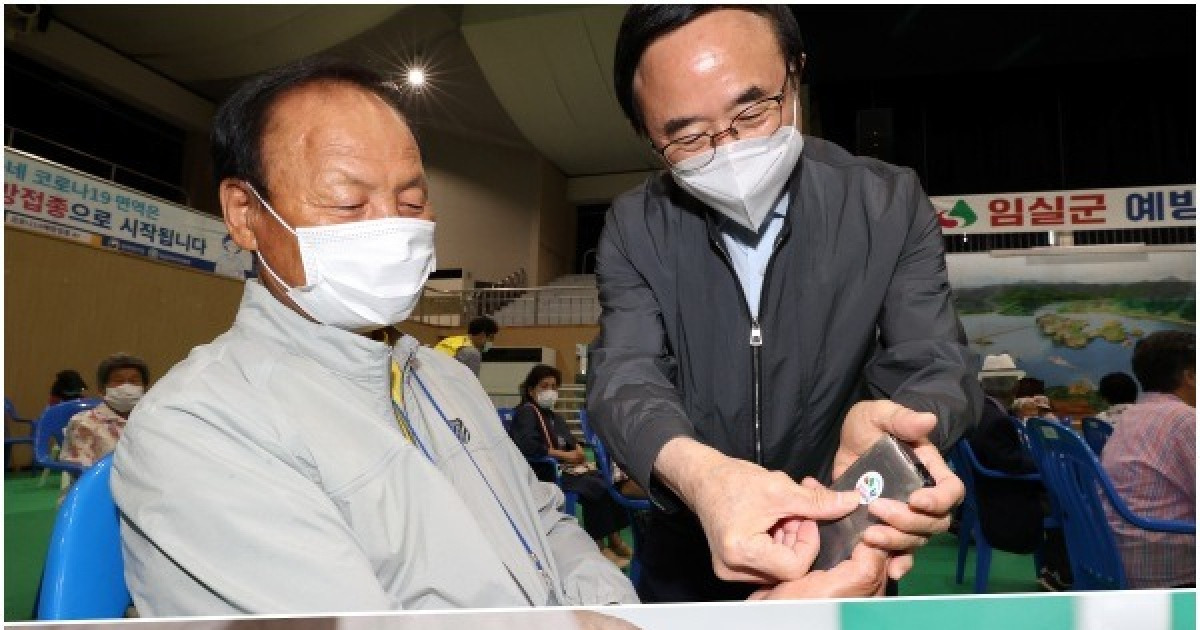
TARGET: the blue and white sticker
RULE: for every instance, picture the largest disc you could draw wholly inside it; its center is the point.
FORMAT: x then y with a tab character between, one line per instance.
869	487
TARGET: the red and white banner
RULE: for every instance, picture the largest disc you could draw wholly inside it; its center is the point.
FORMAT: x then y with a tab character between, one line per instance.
1106	209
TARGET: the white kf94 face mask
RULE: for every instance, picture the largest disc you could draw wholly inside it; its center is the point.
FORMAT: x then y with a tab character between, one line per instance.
123	398
547	398
746	177
362	275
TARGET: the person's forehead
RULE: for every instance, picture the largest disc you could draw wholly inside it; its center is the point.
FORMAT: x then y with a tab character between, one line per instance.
335	118
714	38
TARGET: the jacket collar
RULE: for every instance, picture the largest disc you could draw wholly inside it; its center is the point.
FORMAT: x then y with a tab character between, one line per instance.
267	319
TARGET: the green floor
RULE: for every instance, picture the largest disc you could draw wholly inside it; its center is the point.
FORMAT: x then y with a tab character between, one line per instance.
29	517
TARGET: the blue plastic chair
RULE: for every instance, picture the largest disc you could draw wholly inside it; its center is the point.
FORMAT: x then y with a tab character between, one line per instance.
1096	433
570	498
1075	478
52	426
631	505
10	413
84	576
970	526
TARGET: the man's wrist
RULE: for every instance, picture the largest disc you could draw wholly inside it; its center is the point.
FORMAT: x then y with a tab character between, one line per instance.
683	465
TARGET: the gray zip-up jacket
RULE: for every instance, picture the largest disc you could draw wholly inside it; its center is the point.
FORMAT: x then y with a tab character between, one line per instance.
855	305
266	474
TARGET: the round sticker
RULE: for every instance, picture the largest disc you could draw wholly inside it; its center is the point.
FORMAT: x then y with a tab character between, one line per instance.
869	487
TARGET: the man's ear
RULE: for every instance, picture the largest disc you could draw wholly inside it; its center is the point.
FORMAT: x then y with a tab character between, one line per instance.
237	205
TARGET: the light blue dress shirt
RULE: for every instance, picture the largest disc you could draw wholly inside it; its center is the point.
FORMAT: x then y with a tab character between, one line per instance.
750	252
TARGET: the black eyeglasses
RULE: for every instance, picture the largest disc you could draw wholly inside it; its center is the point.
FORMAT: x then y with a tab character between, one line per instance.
762	118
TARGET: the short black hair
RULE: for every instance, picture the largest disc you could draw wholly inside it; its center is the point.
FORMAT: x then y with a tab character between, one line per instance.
118	361
241	120
1118	388
482	325
535	376
1160	360
645	23
1029	386
68	385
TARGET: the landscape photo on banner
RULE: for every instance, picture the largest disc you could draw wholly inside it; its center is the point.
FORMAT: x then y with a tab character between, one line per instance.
1069	319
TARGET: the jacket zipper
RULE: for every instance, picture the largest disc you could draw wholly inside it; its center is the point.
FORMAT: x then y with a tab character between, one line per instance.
756	338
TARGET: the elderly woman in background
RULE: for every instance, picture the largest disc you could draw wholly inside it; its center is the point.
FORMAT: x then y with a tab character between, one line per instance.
93	433
538	431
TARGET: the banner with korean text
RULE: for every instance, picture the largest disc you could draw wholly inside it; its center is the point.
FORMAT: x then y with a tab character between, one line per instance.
1107	209
44	197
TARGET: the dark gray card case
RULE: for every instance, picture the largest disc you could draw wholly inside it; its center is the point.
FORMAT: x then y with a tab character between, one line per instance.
901	473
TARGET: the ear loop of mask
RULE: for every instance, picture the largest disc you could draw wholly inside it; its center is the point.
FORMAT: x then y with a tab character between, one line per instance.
287	227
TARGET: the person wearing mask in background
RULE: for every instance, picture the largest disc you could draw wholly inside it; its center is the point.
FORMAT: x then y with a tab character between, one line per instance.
313	459
771	306
1120	391
469	348
94	433
1012	512
68	385
1151	460
538	430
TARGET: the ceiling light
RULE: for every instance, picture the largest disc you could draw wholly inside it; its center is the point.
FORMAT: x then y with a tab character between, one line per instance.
416	77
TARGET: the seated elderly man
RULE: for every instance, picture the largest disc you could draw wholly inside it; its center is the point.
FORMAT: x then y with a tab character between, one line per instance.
1151	459
312	459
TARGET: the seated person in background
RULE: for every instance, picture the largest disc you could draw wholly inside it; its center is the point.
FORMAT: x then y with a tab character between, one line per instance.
1032	407
469	348
1011	512
1151	459
282	468
93	433
538	431
1120	391
68	385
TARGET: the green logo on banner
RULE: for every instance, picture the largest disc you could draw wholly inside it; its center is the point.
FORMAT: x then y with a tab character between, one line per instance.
964	213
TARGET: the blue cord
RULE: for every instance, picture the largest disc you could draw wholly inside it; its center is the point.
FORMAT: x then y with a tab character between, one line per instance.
524	543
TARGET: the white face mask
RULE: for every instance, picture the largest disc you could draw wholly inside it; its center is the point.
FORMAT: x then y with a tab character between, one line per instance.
122	398
745	178
546	398
361	275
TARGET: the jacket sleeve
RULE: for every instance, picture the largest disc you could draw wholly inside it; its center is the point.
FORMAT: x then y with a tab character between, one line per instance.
635	407
588	578
526	433
231	548
923	361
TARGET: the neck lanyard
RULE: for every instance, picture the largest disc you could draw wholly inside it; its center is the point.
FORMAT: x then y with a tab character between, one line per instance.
550	442
537	562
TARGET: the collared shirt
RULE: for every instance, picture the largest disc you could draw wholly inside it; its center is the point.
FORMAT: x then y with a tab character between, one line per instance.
1151	459
750	252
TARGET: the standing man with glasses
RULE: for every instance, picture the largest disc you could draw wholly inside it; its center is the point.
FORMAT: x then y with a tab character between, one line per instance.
772	305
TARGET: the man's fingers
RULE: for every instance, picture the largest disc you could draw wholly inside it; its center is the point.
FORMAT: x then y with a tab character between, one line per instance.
899	516
892	539
758	556
899	566
814	501
949	490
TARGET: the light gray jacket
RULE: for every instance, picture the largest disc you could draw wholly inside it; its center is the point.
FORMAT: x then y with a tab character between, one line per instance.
266	473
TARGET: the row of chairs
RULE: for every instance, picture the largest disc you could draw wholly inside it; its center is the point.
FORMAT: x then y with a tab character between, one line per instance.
604	465
49	429
1077	485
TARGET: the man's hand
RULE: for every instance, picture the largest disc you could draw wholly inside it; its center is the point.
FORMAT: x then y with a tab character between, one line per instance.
759	525
863	574
908	526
